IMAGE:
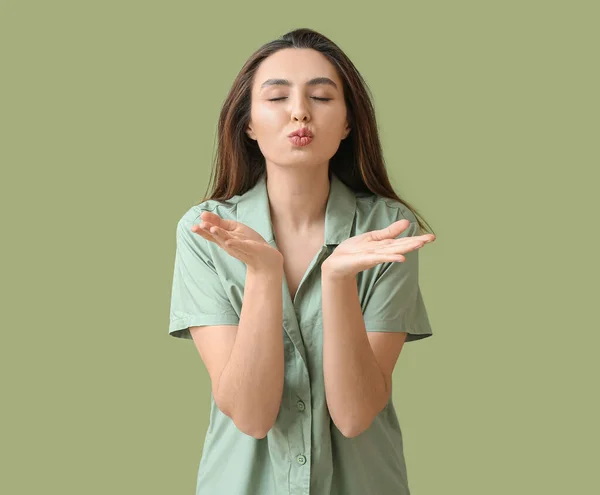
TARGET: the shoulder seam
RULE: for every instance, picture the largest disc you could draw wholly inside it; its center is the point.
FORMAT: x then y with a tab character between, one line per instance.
386	201
196	207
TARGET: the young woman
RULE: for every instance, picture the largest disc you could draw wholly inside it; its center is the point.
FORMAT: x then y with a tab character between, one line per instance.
297	279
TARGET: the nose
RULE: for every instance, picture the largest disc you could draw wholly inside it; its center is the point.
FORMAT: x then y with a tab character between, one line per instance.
300	111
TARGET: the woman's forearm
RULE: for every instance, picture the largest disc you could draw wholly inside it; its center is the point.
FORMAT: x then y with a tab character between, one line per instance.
355	387
251	385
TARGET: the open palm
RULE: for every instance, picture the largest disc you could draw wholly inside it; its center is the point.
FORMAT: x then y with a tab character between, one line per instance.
239	241
366	250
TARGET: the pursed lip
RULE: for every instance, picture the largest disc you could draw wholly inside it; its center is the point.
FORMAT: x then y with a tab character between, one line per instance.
302	132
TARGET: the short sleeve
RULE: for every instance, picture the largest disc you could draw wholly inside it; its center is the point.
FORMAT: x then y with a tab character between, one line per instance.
395	303
197	296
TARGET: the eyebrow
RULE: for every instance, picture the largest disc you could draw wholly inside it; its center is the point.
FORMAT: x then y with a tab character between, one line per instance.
313	82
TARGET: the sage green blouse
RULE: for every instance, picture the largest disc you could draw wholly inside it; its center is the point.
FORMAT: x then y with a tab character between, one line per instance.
303	453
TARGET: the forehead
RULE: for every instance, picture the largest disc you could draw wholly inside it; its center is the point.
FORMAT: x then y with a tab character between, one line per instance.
298	65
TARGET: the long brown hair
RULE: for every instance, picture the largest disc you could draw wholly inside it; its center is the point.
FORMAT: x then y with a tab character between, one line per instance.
358	162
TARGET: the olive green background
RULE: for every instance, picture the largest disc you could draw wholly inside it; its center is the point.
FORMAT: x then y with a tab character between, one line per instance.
488	114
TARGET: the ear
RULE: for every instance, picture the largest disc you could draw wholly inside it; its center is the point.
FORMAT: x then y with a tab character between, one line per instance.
250	133
348	128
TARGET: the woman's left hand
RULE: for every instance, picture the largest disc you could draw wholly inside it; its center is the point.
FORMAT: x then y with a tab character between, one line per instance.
366	250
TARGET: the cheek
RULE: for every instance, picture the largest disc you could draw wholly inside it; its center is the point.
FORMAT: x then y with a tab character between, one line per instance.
335	118
336	127
265	117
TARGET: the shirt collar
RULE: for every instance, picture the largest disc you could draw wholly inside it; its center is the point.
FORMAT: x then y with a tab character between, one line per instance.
253	211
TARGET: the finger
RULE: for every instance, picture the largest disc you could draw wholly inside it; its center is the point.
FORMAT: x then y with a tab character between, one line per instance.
390	231
378	258
206	225
426	238
219	233
214	234
203	226
219	236
203	232
422	239
404	245
215	219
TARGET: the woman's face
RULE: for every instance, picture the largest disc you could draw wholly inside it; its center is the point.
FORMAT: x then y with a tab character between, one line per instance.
279	109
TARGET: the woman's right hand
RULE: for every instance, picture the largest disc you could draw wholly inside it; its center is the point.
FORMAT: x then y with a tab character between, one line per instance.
239	241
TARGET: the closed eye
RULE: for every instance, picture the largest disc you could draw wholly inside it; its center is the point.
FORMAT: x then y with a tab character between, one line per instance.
320	99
